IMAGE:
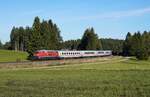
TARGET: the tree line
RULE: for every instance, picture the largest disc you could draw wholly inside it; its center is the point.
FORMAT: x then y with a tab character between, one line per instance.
137	45
46	35
115	45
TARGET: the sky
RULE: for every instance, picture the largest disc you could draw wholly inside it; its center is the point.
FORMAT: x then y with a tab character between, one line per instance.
109	18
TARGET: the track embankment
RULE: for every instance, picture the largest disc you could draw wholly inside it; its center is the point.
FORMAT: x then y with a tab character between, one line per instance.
30	64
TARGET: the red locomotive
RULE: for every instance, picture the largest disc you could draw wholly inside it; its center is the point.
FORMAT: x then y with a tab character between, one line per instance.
45	54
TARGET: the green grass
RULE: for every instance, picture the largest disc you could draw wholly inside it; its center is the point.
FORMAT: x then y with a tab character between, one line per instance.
12	56
118	77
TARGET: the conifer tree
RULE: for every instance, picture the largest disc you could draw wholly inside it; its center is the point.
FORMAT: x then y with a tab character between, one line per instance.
90	41
127	45
1	45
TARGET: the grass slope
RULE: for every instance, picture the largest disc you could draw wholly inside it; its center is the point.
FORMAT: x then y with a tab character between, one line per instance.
12	56
113	78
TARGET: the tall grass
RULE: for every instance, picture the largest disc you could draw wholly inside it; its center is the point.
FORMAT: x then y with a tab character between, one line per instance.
127	78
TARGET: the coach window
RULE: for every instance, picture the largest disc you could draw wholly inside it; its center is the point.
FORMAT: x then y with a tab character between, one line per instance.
89	52
100	52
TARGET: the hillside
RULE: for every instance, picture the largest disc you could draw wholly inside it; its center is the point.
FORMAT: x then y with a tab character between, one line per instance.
12	56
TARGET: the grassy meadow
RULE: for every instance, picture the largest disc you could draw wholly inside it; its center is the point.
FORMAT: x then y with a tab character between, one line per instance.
12	56
116	77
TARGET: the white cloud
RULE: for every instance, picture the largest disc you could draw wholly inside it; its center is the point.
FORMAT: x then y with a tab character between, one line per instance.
116	15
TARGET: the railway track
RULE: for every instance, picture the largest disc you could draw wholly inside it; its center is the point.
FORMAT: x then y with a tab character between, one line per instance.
28	62
53	62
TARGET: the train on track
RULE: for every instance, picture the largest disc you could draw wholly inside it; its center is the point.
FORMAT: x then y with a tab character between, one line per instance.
65	54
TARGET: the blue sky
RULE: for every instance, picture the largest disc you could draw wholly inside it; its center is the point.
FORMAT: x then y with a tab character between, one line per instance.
110	18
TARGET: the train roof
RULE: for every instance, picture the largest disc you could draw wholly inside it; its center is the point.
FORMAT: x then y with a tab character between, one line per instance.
70	50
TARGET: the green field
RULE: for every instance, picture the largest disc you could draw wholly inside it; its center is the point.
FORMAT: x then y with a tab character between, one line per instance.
118	77
12	56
